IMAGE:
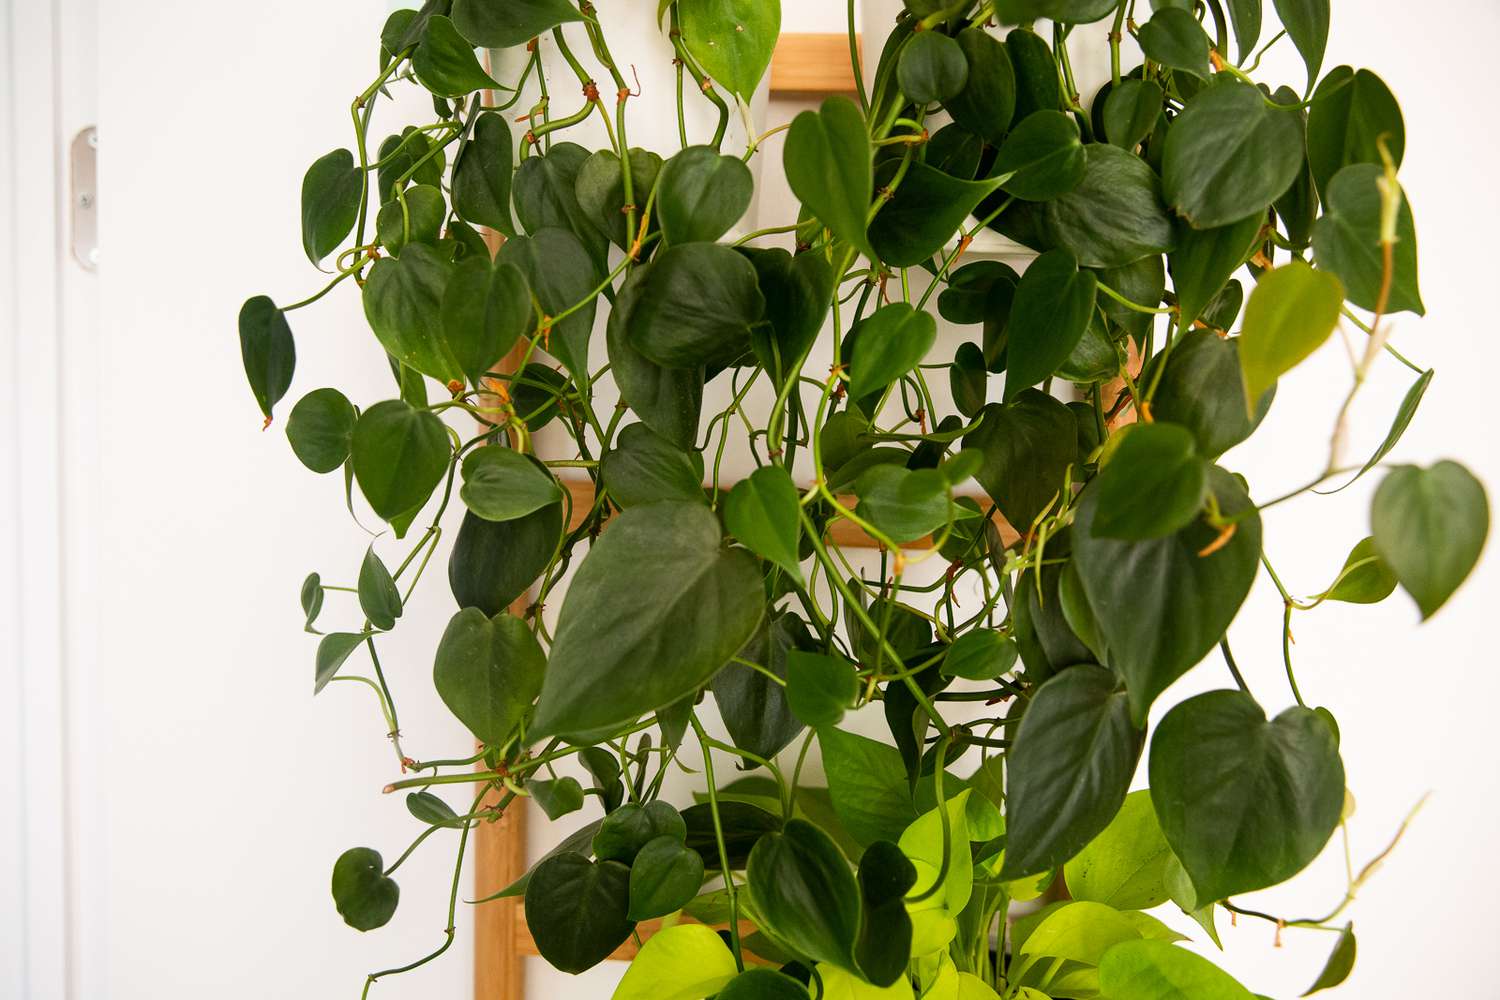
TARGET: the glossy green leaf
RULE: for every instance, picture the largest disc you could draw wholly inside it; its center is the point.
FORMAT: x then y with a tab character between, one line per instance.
1292	311
645	467
819	687
1229	155
333	650
1205	260
1125	866
576	910
1043	157
557	798
485	311
1038	86
663	877
501	484
905	504
732	39
762	512
888	345
1430	527
365	898
933	68
378	597
331	192
1160	604
668	400
980	655
445	63
761	983
495	562
806	893
1071	765
1131	111
429	809
414	217
829	164
515	22
561	274
656	608
488	671
403	300
1153	485
601	192
1347	242
701	195
320	429
482	175
267	350
1364	577
627	830
1052	309
407	158
696	307
924	213
400	455
798	292
884	945
1174	38
1245	802
1028	445
1156	970
544	190
1352	114
987	101
1340	963
867	781
1306	23
1203	390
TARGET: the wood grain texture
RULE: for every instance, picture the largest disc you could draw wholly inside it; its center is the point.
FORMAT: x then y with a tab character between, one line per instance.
499	859
811	65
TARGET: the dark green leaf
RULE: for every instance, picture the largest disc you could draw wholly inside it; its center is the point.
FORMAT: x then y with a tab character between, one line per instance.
903	503
1043	157
1408	409
1038	87
1306	23
1246	16
1158	970
884	945
732	39
481	176
668	400
664	876
445	63
267	350
1174	38
400	455
819	688
365	898
1292	311
645	467
1131	111
632	826
494	562
1429	527
798	291
805	892
432	810
987	101
378	597
1161	606
487	672
545	192
697	304
331	193
868	784
1028	445
761	983
1340	963
968	380
754	707
557	798
1246	803
1052	309
1125	866
561	274
410	153
320	429
493	25
485	311
980	655
888	345
701	195
656	608
1364	578
415	216
576	910
311	597
925	212
1153	484
1352	114
1071	765
333	649
1203	390
601	191
829	165
1347	242
1229	155
762	512
1205	260
534	394
403	300
933	68
743	826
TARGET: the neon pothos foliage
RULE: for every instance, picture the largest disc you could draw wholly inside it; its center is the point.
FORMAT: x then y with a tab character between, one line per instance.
1097	542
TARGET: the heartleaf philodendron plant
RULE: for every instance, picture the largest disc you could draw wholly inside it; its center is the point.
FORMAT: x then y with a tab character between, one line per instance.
1198	235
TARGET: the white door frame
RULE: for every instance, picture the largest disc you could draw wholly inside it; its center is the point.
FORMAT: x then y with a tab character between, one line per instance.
50	831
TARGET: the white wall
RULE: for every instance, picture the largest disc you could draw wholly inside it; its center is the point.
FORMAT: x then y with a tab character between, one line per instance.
228	791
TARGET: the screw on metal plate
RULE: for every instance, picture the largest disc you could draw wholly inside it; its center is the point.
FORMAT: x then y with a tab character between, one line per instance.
84	161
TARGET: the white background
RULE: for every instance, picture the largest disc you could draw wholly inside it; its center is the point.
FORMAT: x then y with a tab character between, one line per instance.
210	793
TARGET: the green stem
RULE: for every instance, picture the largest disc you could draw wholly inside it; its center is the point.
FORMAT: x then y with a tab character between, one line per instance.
713	806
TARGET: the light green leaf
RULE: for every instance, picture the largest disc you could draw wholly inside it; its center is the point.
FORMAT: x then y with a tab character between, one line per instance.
1340	962
685	962
1364	578
1126	865
1156	970
922	842
732	39
841	985
1292	311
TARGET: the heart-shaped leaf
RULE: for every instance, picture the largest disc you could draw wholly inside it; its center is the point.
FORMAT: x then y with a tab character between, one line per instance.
1042	157
668	400
561	274
644	467
1364	577
1429	527
798	291
697	304
495	562
400	455
906	504
1131	111
557	798
1203	390
576	910
1027	445
403	300
761	983
502	25
868	785
267	350
664	876
482	175
762	512
933	68
1347	242
987	101
1053	304
732	39
485	311
488	671
1292	311
701	195
333	649
444	61
1353	115
980	655
601	191
320	429
501	484
1174	38
1071	765
1125	866
806	893
545	191
365	898
888	345
415	216
1156	970
1246	803
378	597
884	946
684	962
331	193
925	212
829	164
656	608
819	688
754	707
1153	484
